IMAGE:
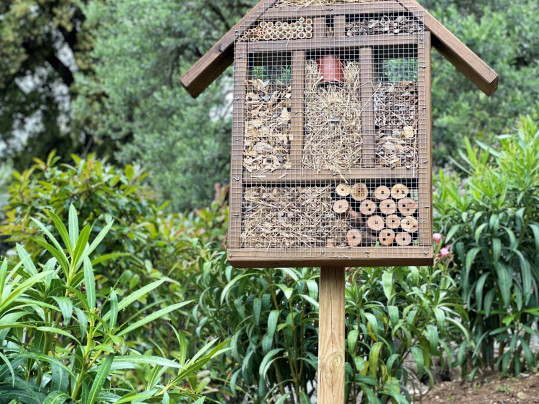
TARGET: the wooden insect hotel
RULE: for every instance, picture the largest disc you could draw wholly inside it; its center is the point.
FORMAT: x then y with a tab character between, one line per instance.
331	143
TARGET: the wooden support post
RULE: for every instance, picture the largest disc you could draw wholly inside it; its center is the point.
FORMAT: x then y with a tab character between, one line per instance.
331	336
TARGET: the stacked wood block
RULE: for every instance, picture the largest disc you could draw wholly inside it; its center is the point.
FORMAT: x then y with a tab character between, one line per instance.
396	119
382	215
279	30
384	25
267	126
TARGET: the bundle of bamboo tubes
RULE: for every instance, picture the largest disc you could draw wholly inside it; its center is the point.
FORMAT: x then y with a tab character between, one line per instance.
383	215
279	30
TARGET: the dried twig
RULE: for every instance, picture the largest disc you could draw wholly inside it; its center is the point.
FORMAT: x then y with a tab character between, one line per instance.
385	25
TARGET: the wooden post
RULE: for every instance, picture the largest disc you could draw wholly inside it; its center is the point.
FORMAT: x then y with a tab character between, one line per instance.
331	336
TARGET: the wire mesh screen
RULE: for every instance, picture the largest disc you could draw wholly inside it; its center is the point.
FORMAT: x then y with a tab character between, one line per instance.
331	136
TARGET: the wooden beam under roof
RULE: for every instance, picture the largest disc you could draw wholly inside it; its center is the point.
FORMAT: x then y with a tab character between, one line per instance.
221	55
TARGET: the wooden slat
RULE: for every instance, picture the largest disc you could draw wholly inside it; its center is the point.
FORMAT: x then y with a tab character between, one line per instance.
277	13
220	56
349	257
319	29
298	110
339	25
462	57
236	169
331	336
328	43
367	103
306	175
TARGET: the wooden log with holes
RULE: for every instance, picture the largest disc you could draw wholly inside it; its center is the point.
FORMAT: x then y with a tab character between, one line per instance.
403	239
409	224
388	207
382	193
367	207
399	191
376	223
341	207
393	221
407	206
343	190
359	192
353	237
386	237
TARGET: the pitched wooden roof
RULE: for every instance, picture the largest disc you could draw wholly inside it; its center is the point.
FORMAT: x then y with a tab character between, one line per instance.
221	55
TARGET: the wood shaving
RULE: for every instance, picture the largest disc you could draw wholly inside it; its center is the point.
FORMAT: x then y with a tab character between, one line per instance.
396	118
333	138
268	126
385	25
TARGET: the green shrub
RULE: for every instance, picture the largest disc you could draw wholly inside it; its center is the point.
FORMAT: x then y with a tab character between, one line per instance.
271	316
61	337
492	220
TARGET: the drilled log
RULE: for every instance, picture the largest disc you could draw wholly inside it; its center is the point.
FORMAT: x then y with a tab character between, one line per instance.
376	223
341	206
382	192
359	192
407	206
409	224
353	237
393	221
403	239
388	207
343	190
399	191
367	207
387	236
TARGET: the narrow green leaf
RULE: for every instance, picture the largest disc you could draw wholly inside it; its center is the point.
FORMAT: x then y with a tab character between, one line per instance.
419	360
26	260
95	243
66	307
73	223
81	246
89	281
387	284
113	309
59	379
230	285
267	361
505	281
374	355
352	340
61	229
3	276
56	397
21	289
152	317
8	364
479	290
496	249
58	254
470	257
99	380
147	360
535	228
257	308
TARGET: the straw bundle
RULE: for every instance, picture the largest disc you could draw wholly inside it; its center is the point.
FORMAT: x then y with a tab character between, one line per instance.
333	138
396	118
267	126
291	217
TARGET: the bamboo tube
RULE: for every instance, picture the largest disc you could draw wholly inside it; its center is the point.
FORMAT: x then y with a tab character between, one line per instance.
409	224
343	190
387	236
376	223
393	221
341	206
403	239
309	21
407	206
308	35
359	192
399	191
367	207
388	207
281	35
267	37
353	237
278	24
382	192
289	35
301	35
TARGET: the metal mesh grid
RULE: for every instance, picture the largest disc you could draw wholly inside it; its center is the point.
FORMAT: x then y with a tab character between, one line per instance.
331	136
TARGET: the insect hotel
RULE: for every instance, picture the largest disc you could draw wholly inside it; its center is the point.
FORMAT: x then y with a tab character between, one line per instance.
331	143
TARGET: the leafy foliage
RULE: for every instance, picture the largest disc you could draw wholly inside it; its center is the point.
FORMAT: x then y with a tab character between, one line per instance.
393	316
62	338
493	222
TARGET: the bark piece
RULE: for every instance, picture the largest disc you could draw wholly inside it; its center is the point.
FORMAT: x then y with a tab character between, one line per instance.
409	224
407	206
376	223
399	191
343	190
359	192
341	206
353	237
388	207
367	207
355	217
393	221
403	239
386	237
382	192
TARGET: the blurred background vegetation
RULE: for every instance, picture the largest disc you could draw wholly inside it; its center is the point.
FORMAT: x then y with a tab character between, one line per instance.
94	125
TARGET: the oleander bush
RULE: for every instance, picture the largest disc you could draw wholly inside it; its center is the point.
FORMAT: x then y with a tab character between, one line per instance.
62	338
492	220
